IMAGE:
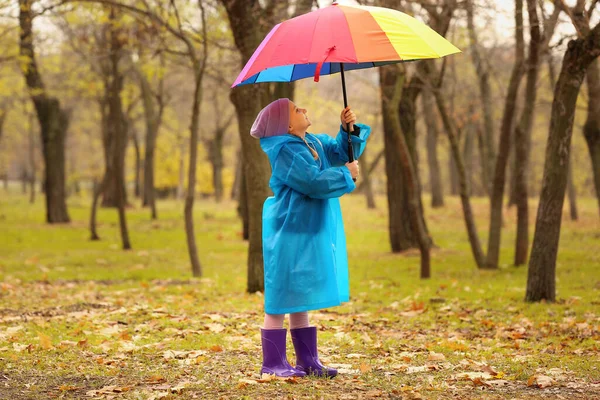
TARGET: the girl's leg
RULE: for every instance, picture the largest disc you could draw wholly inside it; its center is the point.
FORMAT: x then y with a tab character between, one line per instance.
273	321
304	338
273	339
299	320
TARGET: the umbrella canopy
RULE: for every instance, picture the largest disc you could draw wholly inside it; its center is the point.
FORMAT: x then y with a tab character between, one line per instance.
318	42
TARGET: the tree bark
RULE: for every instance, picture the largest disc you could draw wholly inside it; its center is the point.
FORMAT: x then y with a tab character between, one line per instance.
153	118
117	125
430	119
478	254
366	181
391	82
256	171
486	97
453	175
191	188
242	208
31	159
3	114
407	110
591	128
369	170
235	188
216	158
53	121
572	192
468	146
181	180
249	22
110	191
398	220
541	278
98	189
523	136
138	162
493	254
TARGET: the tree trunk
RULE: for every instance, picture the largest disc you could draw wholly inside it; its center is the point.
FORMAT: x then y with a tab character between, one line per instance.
3	114
407	110
429	117
24	179
191	188
153	119
256	171
369	171
391	83
571	192
366	182
486	96
478	254
136	144
453	175
117	126
215	157
541	281
591	129
493	254
181	180
31	159
249	23
468	146
523	136
98	189
53	121
110	192
235	188
398	220
242	208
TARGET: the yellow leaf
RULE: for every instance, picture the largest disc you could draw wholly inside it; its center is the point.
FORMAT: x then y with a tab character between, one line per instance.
364	368
45	341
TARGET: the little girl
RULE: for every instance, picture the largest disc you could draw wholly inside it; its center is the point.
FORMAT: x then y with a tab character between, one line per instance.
304	247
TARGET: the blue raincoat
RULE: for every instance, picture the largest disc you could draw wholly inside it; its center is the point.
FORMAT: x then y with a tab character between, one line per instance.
304	245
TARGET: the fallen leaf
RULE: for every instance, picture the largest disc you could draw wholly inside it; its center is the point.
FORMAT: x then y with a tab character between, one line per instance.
540	381
215	327
45	341
433	356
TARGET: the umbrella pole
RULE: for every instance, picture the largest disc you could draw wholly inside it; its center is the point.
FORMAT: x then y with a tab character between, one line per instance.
350	127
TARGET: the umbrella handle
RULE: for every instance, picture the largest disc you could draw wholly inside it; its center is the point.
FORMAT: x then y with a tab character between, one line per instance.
350	126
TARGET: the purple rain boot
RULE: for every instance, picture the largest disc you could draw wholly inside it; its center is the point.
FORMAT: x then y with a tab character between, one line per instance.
274	358
307	358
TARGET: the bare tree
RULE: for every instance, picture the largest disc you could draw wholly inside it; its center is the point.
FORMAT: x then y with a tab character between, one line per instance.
541	278
497	197
154	105
391	84
591	129
486	98
430	119
250	21
54	121
464	190
523	135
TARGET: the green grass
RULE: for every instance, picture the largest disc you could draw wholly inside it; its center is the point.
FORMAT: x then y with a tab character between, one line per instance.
118	312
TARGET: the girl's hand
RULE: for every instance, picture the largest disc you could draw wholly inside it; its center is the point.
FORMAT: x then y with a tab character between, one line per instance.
347	117
354	170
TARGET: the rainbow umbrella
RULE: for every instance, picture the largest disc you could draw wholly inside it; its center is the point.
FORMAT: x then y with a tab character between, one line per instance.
338	38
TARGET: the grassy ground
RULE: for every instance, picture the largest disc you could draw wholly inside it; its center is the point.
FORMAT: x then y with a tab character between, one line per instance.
81	319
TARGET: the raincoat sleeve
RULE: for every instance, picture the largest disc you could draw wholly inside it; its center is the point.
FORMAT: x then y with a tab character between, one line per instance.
297	170
337	149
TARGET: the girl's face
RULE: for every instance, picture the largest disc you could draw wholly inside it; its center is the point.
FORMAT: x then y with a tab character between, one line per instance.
299	121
